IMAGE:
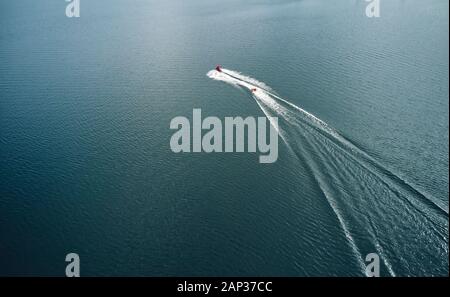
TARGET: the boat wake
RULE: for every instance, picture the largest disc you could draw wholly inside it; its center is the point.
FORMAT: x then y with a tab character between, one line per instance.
377	210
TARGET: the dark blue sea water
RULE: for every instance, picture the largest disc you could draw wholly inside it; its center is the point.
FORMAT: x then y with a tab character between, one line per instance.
86	166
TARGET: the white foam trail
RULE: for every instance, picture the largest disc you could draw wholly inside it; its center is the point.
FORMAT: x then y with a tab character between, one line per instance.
333	149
